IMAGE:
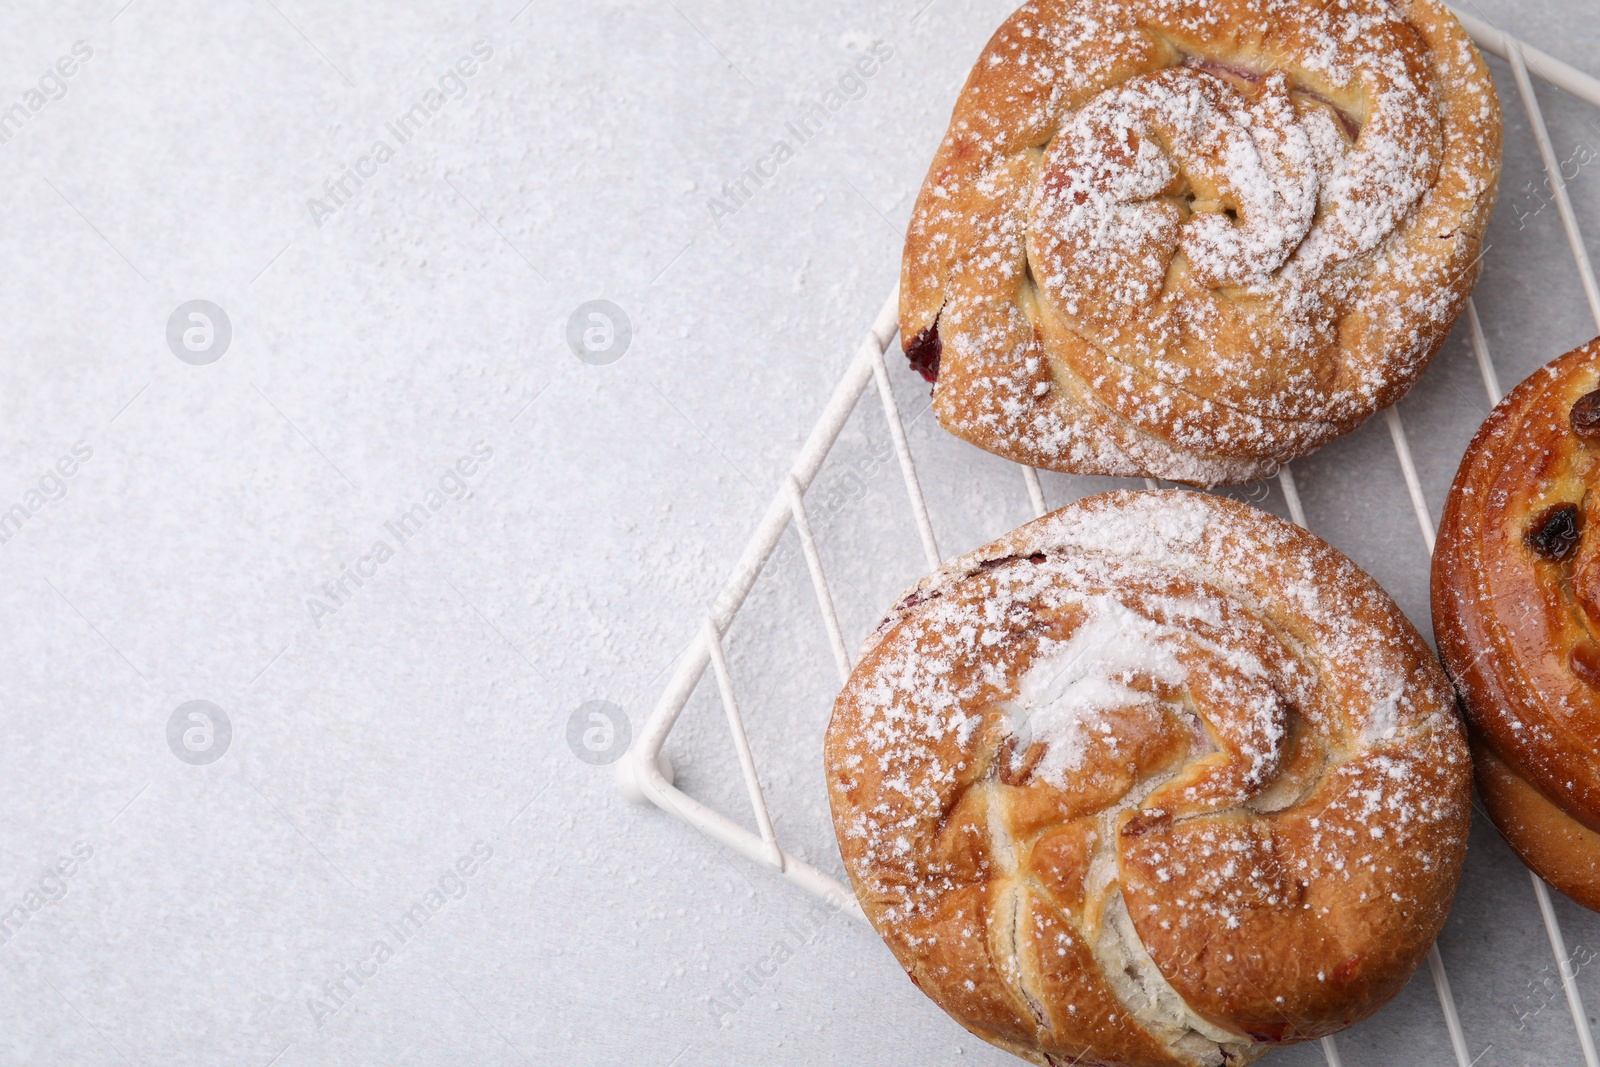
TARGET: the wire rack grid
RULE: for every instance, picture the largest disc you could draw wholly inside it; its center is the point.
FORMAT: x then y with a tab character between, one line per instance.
645	774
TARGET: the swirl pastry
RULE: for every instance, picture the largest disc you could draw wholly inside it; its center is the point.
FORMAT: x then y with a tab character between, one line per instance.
1516	611
1195	240
1156	779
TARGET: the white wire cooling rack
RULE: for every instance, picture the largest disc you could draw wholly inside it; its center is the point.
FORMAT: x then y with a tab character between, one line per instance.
645	775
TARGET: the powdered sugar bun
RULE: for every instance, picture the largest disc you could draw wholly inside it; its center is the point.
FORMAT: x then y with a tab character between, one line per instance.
1155	779
1195	240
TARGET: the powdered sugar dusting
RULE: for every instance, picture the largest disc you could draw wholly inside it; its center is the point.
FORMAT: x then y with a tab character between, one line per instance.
1164	699
1102	192
1172	240
1061	698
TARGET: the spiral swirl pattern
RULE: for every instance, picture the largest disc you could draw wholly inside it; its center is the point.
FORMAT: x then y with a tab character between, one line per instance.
1516	610
1193	241
1156	779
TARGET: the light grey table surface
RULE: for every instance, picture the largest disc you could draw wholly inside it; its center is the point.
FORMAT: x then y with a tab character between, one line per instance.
415	726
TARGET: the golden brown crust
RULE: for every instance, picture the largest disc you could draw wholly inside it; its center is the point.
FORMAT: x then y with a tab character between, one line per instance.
1156	779
1565	852
1515	614
1149	244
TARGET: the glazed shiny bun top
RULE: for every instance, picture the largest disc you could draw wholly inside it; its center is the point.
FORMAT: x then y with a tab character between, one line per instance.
1516	607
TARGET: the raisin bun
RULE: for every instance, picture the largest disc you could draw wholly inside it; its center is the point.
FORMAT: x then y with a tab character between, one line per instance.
1516	611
